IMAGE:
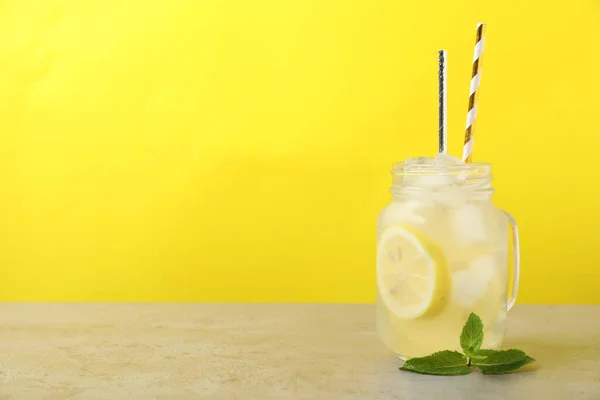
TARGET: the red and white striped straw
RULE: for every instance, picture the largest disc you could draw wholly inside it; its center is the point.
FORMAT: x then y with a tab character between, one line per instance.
473	93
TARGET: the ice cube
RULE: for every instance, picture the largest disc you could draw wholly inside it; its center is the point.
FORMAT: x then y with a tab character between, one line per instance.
465	289
403	212
471	284
452	198
484	268
468	224
445	159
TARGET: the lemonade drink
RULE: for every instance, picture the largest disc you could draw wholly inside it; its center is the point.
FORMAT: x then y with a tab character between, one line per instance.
442	253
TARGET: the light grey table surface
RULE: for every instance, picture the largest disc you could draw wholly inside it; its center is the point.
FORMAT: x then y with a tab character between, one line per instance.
266	351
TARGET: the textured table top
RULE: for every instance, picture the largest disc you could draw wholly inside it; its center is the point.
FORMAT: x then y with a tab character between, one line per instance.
265	351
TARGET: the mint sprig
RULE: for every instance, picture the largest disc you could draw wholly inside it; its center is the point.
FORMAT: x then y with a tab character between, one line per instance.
488	361
441	363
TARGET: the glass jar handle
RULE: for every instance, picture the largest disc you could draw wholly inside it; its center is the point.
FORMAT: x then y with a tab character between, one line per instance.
516	260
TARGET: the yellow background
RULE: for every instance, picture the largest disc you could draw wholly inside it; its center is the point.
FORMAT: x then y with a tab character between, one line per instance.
233	150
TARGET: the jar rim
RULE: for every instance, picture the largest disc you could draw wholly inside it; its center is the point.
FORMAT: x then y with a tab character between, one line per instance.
403	168
415	178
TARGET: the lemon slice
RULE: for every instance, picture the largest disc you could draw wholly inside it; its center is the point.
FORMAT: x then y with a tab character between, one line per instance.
412	274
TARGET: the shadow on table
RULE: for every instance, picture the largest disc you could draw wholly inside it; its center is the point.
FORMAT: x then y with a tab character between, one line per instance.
556	351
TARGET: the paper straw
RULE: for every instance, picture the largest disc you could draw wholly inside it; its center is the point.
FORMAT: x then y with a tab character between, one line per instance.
473	93
442	103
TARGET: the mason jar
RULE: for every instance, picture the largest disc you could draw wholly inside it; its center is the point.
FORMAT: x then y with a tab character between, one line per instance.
442	253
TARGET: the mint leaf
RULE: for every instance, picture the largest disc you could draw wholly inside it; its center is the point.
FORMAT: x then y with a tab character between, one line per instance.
482	354
471	336
441	363
501	361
